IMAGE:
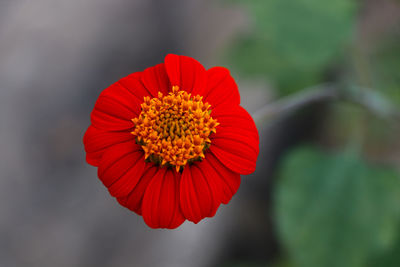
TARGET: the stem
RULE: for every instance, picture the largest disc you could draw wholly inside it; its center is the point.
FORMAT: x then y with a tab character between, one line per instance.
369	99
294	102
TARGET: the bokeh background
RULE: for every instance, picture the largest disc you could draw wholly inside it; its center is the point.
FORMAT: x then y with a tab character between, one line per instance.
326	191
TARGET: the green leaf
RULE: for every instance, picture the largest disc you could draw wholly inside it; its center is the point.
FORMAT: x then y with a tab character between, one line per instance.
294	40
335	210
389	259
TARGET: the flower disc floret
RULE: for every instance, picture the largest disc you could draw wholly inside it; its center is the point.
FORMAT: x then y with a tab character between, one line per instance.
174	130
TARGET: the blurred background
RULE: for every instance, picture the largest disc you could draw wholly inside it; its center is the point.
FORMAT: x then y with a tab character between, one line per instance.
326	192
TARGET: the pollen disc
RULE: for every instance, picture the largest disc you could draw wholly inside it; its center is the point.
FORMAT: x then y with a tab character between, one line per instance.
174	130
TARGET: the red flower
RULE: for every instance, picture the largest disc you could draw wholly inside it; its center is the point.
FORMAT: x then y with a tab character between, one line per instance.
171	142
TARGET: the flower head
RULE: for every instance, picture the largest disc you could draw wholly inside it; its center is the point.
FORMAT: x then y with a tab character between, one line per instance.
171	142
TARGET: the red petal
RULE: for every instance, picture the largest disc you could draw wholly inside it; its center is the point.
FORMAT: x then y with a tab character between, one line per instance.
110	115
185	72
155	79
118	160
196	195
124	97
221	88
119	103
161	200
133	83
236	142
134	200
97	141
125	184
235	118
223	182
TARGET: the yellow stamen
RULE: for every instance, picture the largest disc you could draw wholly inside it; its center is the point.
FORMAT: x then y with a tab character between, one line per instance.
174	130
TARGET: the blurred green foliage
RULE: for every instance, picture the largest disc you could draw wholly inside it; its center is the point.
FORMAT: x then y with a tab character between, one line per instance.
293	41
389	259
335	210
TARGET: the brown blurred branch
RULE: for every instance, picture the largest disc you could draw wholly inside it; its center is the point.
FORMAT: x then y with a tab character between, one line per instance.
371	100
294	102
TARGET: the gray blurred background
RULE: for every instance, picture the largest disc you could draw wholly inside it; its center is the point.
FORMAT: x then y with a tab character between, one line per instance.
57	56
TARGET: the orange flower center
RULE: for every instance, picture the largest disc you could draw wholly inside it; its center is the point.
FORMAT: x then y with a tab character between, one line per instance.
174	130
